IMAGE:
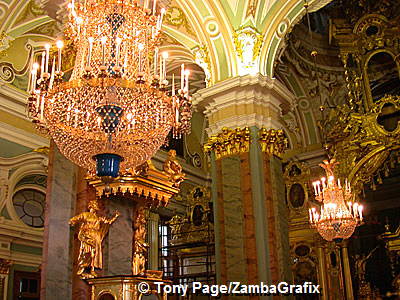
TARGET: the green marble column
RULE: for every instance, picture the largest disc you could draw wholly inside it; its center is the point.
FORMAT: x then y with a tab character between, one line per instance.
251	224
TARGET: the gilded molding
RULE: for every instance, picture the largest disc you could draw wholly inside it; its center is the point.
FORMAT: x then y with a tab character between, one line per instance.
202	58
229	142
273	141
358	45
363	142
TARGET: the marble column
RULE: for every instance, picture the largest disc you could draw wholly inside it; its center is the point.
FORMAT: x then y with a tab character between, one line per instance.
152	240
85	193
56	275
346	271
323	279
119	239
251	222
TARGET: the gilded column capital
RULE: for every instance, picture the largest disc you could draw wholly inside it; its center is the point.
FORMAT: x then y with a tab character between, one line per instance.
229	142
5	265
273	141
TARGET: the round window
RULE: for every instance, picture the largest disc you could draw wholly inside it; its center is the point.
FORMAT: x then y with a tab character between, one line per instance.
29	205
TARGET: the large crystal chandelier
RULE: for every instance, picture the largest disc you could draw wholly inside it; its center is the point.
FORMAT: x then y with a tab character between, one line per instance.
115	110
338	215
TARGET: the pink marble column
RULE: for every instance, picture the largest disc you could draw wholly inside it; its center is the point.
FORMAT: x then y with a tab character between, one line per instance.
56	275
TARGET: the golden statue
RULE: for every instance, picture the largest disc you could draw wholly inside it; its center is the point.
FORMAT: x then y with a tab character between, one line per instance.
140	245
360	264
176	224
92	230
173	169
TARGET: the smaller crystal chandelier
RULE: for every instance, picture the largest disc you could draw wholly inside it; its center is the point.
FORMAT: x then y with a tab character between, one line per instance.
338	215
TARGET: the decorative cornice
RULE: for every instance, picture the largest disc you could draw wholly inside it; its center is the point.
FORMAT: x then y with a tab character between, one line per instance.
22	137
207	96
243	101
13	100
229	142
30	158
273	141
241	121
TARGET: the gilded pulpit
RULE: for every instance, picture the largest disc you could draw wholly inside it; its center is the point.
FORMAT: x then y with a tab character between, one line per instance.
144	188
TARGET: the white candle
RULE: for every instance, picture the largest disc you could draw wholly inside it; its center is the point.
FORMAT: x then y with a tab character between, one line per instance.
47	47
164	69
155	61
140	47
126	60
103	49
35	67
176	110
355	209
162	16
37	103
42	108
53	69
323	182
182	75
154	6
90	39
187	73
161	69
42	70
173	86
360	210
60	45
315	188
33	79
118	41
146	4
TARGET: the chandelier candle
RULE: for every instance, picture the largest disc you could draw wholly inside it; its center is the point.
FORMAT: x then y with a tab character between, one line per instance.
339	215
115	111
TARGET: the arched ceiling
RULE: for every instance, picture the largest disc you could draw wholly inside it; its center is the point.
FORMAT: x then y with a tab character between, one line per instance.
219	39
225	37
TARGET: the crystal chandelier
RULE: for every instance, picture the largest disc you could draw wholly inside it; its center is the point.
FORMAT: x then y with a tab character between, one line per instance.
338	215
115	111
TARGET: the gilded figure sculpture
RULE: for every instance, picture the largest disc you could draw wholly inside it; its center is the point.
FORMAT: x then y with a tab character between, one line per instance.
360	264
92	230
140	245
273	141
176	224
173	169
229	142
